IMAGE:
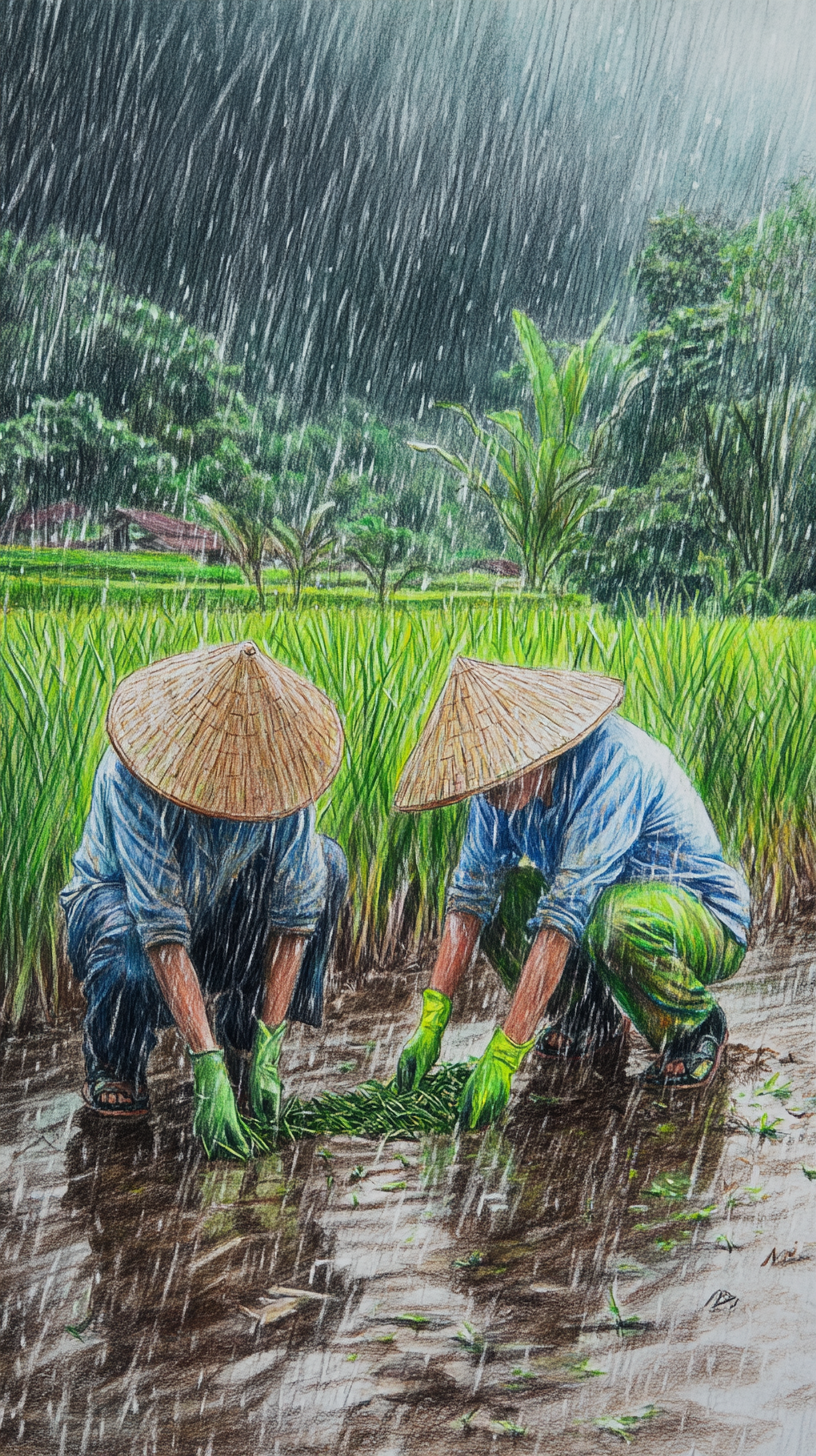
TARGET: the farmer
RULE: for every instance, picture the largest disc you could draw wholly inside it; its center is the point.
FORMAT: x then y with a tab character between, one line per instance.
590	873
200	871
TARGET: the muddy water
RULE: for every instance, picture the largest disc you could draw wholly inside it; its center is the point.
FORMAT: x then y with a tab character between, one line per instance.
448	1295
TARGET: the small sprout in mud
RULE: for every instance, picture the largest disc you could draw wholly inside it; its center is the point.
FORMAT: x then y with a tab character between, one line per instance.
669	1185
625	1426
695	1214
465	1420
584	1370
471	1262
329	1182
771	1089
518	1376
355	1202
766	1127
347	1067
665	1129
726	1243
393	1187
354	1356
666	1245
357	1173
78	1330
510	1428
544	1101
624	1324
385	1339
810	1173
401	1158
417	1320
756	1195
470	1337
325	1153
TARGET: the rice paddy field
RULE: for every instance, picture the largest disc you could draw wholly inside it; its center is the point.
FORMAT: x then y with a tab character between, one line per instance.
735	700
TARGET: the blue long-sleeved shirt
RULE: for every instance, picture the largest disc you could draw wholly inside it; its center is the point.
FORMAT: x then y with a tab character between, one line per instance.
174	865
622	811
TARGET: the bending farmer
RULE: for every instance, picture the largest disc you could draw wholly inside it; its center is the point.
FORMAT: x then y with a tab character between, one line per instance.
200	871
590	873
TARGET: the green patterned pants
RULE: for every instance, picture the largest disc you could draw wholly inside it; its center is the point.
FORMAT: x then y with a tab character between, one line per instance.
650	949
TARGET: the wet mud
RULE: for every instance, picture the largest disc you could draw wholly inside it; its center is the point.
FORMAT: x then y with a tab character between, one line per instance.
610	1265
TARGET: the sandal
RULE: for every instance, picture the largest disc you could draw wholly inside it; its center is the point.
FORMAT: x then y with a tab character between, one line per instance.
127	1101
575	1046
699	1052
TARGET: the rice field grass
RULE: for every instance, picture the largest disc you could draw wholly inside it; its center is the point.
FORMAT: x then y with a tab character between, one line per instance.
735	700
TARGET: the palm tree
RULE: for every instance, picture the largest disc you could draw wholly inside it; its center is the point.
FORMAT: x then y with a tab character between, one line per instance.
303	549
387	554
540	482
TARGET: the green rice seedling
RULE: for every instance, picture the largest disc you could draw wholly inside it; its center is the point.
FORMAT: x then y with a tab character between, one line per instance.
473	1261
810	1173
625	1426
584	1370
669	1185
472	1339
510	1428
624	1324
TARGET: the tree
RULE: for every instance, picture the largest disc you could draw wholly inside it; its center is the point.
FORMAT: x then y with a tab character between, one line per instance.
244	528
388	555
540	483
303	549
759	461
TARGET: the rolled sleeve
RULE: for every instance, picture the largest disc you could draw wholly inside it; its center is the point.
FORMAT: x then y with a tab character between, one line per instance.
298	891
487	854
140	826
604	821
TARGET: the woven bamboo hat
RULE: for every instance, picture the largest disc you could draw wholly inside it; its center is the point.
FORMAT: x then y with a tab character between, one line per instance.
228	732
492	722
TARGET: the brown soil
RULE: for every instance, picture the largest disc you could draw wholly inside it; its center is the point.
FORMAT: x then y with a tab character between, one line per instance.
474	1291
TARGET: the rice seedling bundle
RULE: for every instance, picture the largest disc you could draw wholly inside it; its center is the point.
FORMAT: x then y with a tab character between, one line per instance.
735	700
377	1110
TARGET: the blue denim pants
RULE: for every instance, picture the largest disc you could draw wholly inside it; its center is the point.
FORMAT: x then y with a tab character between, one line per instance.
125	1008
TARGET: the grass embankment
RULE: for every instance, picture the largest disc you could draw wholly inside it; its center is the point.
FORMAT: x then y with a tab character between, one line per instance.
64	579
734	700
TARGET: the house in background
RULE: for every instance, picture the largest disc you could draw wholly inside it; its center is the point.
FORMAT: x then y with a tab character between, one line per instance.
62	524
130	530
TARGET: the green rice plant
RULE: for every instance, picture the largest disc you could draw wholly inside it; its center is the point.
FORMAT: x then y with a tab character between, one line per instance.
734	700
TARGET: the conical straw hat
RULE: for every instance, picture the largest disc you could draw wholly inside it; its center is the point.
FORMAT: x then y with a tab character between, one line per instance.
492	722
226	731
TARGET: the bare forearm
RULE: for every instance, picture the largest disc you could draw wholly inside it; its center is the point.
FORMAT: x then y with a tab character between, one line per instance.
540	976
283	964
181	990
460	937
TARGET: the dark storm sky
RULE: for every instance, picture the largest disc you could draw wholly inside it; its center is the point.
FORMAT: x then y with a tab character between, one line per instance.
357	192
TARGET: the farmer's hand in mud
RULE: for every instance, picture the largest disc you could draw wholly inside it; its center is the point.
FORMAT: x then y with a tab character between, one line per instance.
265	1085
216	1119
422	1050
487	1089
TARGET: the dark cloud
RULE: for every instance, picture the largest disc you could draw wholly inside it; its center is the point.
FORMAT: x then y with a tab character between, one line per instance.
354	193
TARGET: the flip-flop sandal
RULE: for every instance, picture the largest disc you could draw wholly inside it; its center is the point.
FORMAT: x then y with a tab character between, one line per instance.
578	1048
131	1103
700	1052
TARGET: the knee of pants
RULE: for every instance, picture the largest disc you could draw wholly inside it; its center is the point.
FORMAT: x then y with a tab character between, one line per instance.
337	876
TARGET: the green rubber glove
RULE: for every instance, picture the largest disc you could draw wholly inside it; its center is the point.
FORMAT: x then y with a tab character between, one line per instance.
265	1085
216	1119
487	1090
422	1050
